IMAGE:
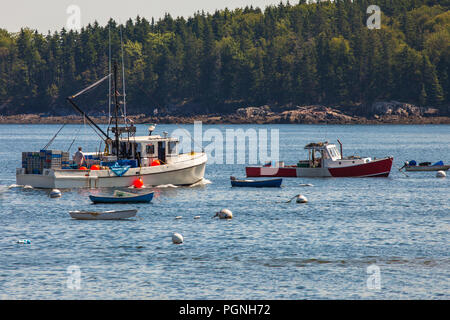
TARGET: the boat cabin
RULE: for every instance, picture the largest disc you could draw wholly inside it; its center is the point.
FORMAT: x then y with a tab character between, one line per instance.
319	153
146	149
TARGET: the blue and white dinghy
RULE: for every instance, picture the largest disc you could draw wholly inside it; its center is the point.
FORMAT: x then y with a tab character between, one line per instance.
122	197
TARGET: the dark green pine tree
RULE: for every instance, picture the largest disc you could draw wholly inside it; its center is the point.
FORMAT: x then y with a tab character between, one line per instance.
432	85
306	53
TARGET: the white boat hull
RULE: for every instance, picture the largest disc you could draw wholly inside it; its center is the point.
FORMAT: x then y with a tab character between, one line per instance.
106	215
184	172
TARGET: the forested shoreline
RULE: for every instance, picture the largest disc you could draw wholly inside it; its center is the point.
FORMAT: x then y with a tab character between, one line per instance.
214	63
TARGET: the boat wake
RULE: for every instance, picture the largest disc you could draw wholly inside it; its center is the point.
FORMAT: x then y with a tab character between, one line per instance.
15	186
202	182
166	186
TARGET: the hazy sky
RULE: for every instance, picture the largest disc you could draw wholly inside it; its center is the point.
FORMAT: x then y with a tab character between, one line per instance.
45	15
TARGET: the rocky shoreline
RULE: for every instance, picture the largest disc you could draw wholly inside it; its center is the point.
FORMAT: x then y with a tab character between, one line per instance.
380	113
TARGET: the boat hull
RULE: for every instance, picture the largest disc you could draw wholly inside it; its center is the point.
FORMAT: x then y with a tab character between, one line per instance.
107	215
375	168
274	183
427	168
181	173
134	199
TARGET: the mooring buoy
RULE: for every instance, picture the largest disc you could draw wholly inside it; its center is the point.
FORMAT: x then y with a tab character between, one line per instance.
224	214
300	199
177	238
441	174
55	193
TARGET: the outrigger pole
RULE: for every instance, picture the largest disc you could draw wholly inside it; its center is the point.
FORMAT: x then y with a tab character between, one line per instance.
70	99
87	117
116	129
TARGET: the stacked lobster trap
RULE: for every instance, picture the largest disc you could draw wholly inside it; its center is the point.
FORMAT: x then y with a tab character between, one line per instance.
36	162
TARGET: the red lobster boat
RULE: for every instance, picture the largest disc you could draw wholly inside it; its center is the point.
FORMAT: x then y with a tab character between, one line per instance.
325	160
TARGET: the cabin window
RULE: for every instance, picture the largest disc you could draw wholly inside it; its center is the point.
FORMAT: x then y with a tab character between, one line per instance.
334	153
150	149
172	147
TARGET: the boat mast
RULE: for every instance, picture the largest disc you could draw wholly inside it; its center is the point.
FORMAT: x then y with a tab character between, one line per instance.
123	79
116	111
109	68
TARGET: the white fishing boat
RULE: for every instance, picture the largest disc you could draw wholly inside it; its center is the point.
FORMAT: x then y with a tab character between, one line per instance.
103	215
160	164
152	160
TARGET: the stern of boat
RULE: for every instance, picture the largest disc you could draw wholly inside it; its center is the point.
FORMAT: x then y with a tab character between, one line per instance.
374	168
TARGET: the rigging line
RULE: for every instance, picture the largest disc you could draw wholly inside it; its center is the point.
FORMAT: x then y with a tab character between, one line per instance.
90	125
52	139
90	87
100	148
76	136
93	128
192	139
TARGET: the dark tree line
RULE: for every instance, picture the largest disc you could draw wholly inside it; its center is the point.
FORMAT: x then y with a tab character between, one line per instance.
308	53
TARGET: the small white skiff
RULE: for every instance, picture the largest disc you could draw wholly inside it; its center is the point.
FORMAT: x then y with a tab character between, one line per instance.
105	215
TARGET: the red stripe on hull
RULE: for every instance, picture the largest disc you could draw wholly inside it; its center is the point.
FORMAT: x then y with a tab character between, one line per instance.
377	168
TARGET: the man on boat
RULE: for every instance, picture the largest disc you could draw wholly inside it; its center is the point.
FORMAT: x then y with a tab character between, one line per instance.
138	153
79	158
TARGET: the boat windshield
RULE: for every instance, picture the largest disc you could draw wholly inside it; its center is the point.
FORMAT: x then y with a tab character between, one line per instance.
172	147
334	153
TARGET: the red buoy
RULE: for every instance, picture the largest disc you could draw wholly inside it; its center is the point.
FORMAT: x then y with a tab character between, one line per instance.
155	163
95	167
138	183
83	168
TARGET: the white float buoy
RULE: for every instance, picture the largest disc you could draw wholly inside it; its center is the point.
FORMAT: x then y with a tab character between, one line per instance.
441	174
177	238
178	217
197	217
224	214
55	193
300	199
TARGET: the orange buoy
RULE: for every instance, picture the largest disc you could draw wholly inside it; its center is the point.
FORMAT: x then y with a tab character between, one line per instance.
156	163
95	167
83	168
138	183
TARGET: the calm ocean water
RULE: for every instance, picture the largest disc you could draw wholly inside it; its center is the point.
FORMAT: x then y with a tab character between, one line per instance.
269	250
